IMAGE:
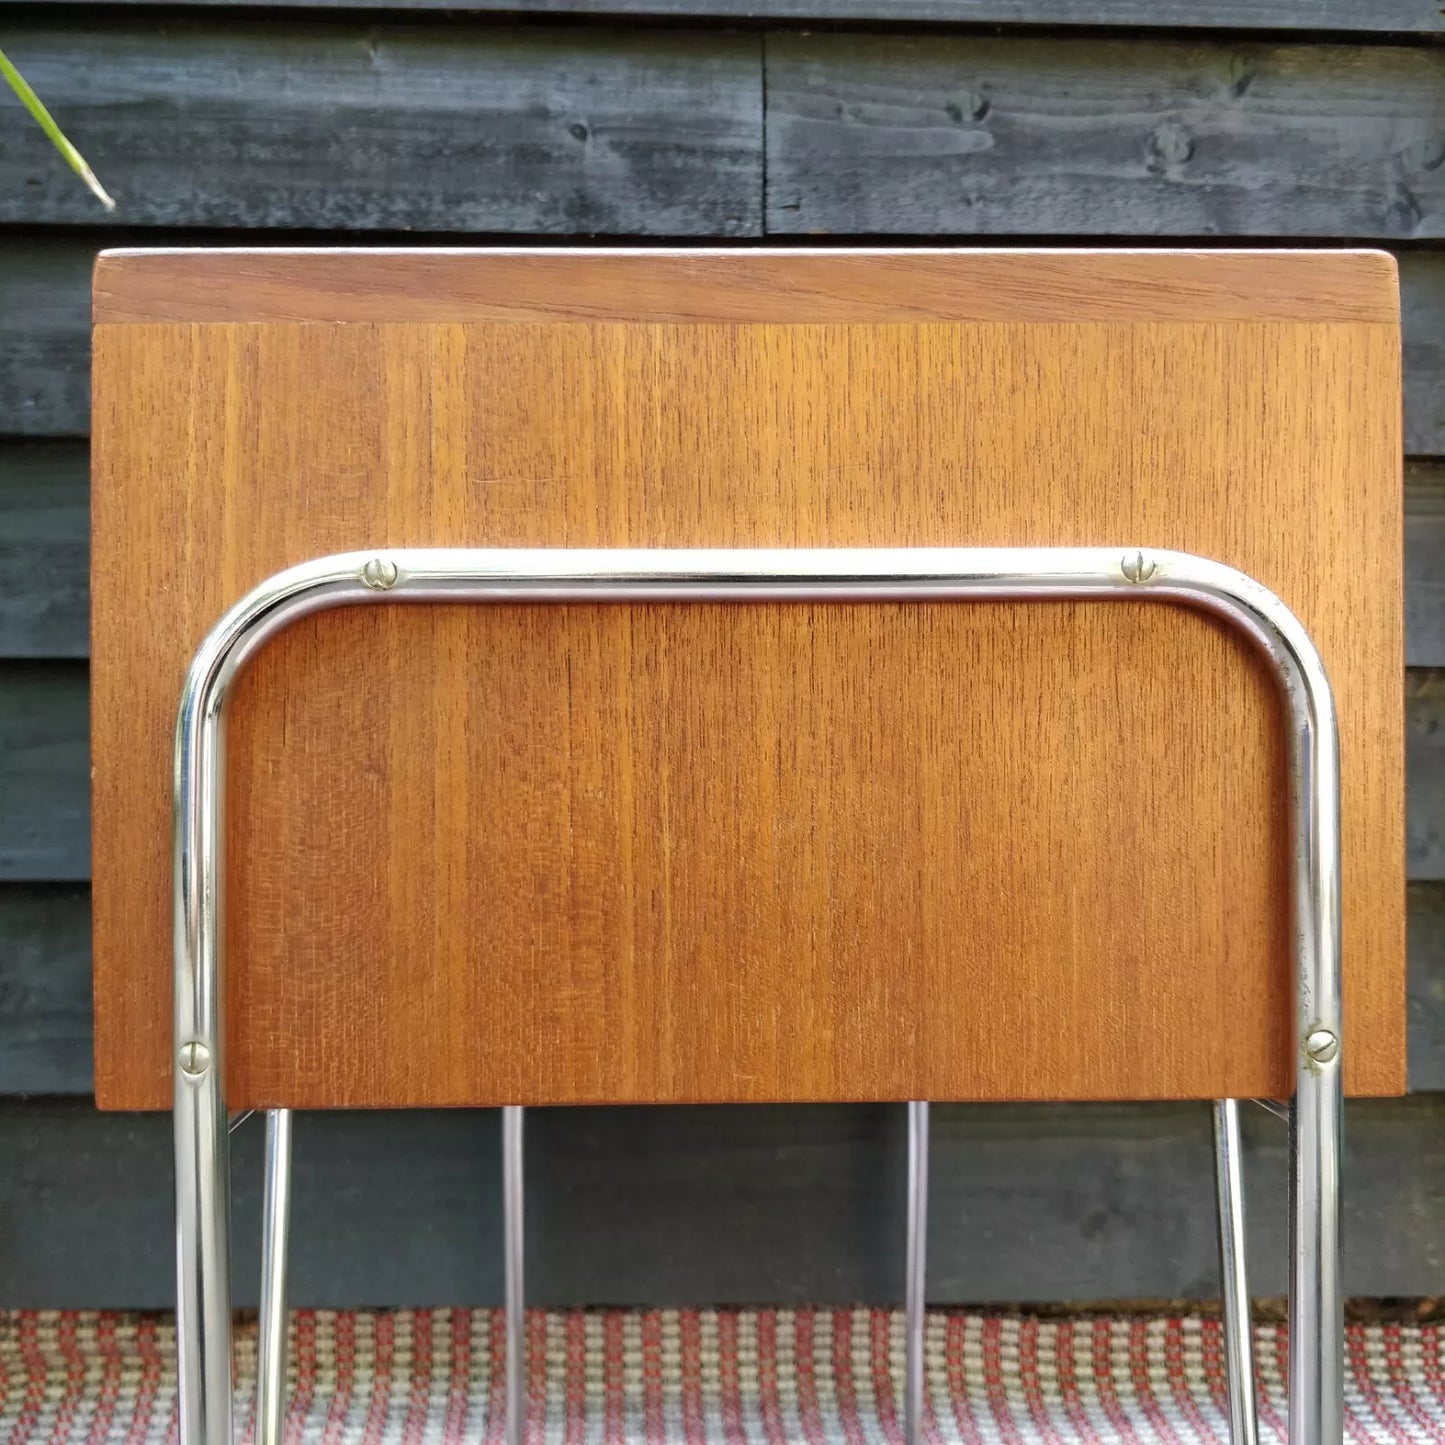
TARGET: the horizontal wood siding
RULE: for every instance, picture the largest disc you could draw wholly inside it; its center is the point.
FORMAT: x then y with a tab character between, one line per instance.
480	129
1048	121
240	124
979	137
45	333
45	771
1425	908
45	1016
45	549
1338	17
1425	773
716	1206
1424	564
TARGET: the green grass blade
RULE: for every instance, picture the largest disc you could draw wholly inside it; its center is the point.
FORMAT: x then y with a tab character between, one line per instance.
46	122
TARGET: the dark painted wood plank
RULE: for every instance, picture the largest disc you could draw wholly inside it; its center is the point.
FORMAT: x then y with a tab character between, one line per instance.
1425	915
45	334
45	321
44	526
239	123
716	1206
919	135
1425	773
476	128
44	549
45	1012
1425	564
45	773
1422	319
1334	16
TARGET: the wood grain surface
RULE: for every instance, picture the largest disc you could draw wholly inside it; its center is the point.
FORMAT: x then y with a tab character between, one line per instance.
957	851
231	118
45	556
228	121
971	135
45	305
701	284
47	1033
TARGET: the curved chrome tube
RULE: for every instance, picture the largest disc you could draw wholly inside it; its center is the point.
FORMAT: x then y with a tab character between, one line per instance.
851	575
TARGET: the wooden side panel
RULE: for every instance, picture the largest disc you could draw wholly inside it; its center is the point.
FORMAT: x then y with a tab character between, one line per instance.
47	1037
668	854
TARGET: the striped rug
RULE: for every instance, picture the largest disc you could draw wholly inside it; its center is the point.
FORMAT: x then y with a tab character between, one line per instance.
815	1377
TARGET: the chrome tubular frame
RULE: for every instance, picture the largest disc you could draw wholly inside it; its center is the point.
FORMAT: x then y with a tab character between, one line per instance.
272	1326
513	1290
1234	1277
844	575
915	1297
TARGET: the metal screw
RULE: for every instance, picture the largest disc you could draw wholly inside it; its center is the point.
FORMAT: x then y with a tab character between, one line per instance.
1322	1046
379	574
1137	568
195	1058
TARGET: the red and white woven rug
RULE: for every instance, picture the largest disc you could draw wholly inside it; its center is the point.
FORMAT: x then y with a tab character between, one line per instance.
754	1377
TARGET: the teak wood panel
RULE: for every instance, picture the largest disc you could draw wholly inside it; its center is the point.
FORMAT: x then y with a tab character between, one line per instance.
544	854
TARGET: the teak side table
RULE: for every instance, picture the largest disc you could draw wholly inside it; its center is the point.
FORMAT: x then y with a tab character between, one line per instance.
820	833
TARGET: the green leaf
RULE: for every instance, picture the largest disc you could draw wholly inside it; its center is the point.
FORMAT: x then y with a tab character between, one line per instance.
46	122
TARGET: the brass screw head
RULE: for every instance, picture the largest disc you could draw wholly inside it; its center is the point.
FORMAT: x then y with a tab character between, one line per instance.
1137	567
379	574
1322	1046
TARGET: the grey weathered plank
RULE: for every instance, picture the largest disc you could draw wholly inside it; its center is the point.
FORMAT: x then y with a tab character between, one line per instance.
1425	564
1340	17
45	334
45	771
45	1013
1425	772
1426	1046
922	135
458	128
44	527
44	549
1422	318
716	1206
45	317
478	128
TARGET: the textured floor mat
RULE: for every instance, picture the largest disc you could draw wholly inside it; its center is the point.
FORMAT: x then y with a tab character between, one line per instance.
817	1377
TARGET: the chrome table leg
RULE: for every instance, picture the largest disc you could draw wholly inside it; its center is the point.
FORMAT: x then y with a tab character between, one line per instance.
916	1302
275	1230
515	1313
1234	1276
